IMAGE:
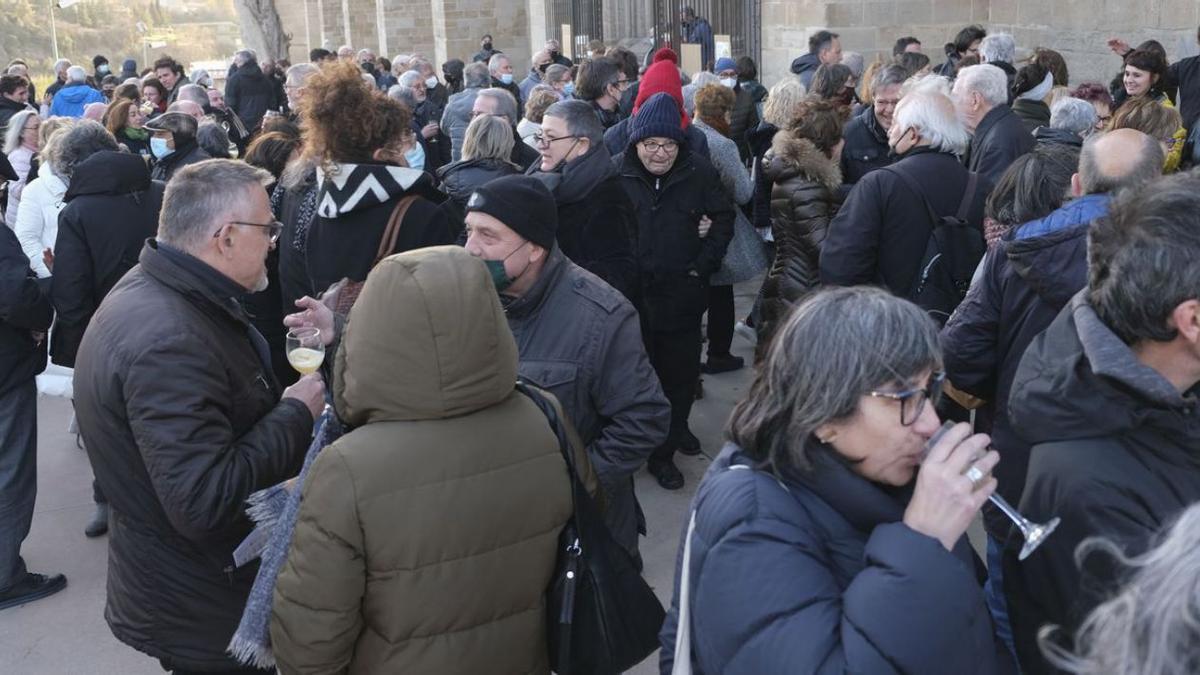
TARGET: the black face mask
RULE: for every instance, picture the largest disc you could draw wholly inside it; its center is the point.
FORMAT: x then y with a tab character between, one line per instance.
487	45
554	54
368	67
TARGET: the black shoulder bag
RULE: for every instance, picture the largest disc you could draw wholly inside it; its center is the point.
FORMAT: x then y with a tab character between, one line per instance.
602	617
951	254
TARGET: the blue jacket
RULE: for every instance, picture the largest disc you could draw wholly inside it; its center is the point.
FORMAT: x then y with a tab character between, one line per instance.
816	573
72	98
1026	280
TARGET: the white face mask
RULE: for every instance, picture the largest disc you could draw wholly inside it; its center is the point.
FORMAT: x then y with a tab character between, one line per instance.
431	83
730	82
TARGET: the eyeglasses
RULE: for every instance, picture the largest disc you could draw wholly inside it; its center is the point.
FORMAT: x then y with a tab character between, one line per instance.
477	113
622	84
274	228
544	140
912	401
652	147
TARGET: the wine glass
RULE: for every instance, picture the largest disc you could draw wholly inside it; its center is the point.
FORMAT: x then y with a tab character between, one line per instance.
1034	533
305	350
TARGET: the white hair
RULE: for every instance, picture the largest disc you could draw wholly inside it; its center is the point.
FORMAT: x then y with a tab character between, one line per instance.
989	81
76	74
370	81
298	74
998	47
61	65
933	116
410	77
494	62
929	83
1074	115
701	80
854	61
16	127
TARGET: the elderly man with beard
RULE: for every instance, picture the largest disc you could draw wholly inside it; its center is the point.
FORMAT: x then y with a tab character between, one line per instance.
183	419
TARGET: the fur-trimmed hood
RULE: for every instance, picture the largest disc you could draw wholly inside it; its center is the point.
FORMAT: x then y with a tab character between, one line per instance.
792	156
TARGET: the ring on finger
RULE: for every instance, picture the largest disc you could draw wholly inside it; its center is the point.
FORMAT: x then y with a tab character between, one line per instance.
974	475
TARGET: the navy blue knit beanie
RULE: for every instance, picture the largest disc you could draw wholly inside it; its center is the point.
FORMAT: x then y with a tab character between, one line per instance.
659	117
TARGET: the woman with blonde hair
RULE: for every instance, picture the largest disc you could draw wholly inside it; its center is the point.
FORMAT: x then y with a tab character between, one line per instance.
1158	120
485	157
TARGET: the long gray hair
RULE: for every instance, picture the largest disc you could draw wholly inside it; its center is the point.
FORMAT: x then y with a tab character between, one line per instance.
834	347
1151	626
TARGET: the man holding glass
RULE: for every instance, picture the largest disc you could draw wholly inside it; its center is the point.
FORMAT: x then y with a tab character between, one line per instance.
183	419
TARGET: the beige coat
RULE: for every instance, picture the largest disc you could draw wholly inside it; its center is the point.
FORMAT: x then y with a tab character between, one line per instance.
428	535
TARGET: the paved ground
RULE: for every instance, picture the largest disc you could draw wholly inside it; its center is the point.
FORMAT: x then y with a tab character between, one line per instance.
66	633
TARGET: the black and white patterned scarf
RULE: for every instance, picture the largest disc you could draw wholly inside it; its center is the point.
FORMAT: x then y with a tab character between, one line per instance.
350	187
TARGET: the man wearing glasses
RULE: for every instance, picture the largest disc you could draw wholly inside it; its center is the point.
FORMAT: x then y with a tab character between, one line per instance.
601	83
183	418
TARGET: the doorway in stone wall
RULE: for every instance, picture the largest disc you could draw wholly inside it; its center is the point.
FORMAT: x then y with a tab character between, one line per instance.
643	27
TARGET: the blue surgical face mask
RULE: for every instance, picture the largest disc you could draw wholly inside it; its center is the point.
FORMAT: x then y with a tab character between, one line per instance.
568	89
102	69
506	78
159	148
431	83
415	157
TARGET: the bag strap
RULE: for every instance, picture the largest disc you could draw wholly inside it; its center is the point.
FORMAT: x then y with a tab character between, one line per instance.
968	197
564	446
912	184
683	627
391	233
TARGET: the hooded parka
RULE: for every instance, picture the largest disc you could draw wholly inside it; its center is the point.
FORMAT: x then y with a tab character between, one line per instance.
427	536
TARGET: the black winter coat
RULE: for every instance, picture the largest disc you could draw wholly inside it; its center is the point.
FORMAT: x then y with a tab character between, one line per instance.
461	178
880	234
999	140
1026	281
112	209
760	142
24	308
742	120
674	263
866	147
343	239
803	201
1115	455
186	153
1033	114
250	94
182	420
597	226
295	207
8	108
817	573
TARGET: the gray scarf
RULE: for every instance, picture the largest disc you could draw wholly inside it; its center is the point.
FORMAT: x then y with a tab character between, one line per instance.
274	512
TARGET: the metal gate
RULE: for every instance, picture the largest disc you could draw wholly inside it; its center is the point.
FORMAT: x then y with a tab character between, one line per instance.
741	20
655	24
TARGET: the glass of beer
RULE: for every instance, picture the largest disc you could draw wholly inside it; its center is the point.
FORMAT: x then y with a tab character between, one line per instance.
305	350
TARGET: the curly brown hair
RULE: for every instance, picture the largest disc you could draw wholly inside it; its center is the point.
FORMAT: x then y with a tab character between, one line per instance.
331	135
271	151
819	120
713	103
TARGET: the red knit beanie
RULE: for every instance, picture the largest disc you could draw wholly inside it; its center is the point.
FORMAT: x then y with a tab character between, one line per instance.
662	77
666	54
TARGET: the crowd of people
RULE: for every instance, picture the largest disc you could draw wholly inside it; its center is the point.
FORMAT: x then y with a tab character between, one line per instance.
509	275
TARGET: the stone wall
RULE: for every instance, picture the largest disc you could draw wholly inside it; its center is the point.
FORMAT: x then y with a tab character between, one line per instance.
1077	28
439	29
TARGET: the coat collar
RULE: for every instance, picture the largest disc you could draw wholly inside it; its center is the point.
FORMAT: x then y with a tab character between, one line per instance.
193	278
526	305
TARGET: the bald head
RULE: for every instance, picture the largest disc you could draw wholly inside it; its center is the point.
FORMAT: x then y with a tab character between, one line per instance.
187	108
1117	159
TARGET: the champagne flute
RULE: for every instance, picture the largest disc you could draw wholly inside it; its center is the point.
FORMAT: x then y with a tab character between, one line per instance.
1034	533
305	350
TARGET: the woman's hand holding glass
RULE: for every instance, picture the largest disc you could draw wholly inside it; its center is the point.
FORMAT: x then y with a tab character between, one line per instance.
945	500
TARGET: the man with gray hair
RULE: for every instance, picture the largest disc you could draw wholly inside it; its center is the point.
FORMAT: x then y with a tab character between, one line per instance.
183	419
882	234
1106	395
998	136
74	96
500	103
1000	50
249	93
60	77
501	70
866	135
541	60
1071	121
596	223
458	113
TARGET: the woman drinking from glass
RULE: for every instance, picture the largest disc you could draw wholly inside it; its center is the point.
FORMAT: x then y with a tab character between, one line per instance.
817	546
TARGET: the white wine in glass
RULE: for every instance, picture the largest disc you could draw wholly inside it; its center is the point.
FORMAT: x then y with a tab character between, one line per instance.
305	351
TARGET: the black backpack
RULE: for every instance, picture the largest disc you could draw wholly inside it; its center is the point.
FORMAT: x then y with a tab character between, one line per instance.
954	249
